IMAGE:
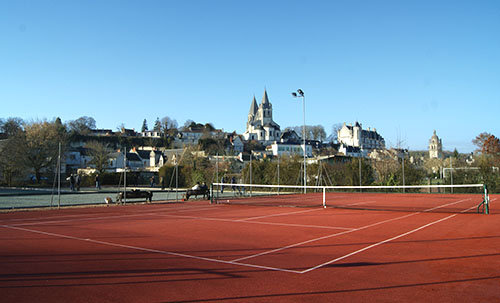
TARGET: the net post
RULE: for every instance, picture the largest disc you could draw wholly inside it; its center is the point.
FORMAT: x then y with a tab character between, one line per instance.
486	200
485	203
324	197
212	193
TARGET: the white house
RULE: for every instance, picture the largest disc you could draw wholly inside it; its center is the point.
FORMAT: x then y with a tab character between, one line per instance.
356	136
290	149
116	161
151	134
234	144
351	151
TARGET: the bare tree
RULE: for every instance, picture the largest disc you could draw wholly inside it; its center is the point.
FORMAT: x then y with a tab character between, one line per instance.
318	132
11	126
40	145
100	155
168	124
12	162
82	125
335	132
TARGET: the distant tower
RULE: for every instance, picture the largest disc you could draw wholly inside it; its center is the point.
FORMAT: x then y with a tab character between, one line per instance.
435	147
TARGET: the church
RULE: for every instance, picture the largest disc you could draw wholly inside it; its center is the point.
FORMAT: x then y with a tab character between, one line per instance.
435	147
260	124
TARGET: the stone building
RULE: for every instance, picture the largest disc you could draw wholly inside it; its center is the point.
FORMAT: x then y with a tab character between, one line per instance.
435	147
260	124
356	136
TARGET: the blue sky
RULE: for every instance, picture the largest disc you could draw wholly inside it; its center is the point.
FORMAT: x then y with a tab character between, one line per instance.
402	67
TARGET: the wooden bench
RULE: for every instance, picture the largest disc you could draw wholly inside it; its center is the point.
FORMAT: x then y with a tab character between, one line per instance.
135	194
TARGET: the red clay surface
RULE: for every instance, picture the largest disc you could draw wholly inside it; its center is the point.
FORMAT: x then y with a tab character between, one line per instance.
195	252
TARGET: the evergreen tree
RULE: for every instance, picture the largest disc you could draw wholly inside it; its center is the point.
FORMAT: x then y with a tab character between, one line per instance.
144	126
157	127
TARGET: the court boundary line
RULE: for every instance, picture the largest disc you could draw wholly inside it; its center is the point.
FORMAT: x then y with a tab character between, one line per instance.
280	214
254	222
382	242
151	250
145	213
237	261
345	232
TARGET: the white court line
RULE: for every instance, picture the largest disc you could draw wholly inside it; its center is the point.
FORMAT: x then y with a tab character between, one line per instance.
358	203
236	261
322	238
143	213
339	234
253	222
382	242
38	218
280	214
151	250
87	214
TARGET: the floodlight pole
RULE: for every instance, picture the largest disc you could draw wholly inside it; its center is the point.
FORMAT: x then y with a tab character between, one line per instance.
300	94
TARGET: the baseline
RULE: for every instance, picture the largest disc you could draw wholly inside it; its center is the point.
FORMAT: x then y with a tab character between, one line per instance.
151	250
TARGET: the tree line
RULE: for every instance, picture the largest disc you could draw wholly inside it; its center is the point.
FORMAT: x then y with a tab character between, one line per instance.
31	147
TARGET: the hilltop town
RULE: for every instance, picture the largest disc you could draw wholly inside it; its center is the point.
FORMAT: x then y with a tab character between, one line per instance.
30	152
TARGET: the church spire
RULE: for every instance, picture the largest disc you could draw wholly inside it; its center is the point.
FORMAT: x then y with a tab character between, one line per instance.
253	108
265	99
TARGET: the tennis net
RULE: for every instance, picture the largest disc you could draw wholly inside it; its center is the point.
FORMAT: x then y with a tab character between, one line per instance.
468	198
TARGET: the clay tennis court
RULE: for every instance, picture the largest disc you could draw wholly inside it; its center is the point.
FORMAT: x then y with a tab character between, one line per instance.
197	252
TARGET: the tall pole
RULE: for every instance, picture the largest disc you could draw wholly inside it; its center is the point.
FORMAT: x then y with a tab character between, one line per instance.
176	180
250	173
59	178
403	171
451	173
217	169
360	182
304	140
125	176
278	173
300	94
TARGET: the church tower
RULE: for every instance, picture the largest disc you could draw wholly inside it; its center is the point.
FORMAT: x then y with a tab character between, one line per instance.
252	112
435	147
260	124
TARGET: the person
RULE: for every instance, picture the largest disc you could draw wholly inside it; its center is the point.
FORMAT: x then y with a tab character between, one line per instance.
152	181
72	182
97	182
77	181
233	181
223	180
162	182
197	186
204	189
